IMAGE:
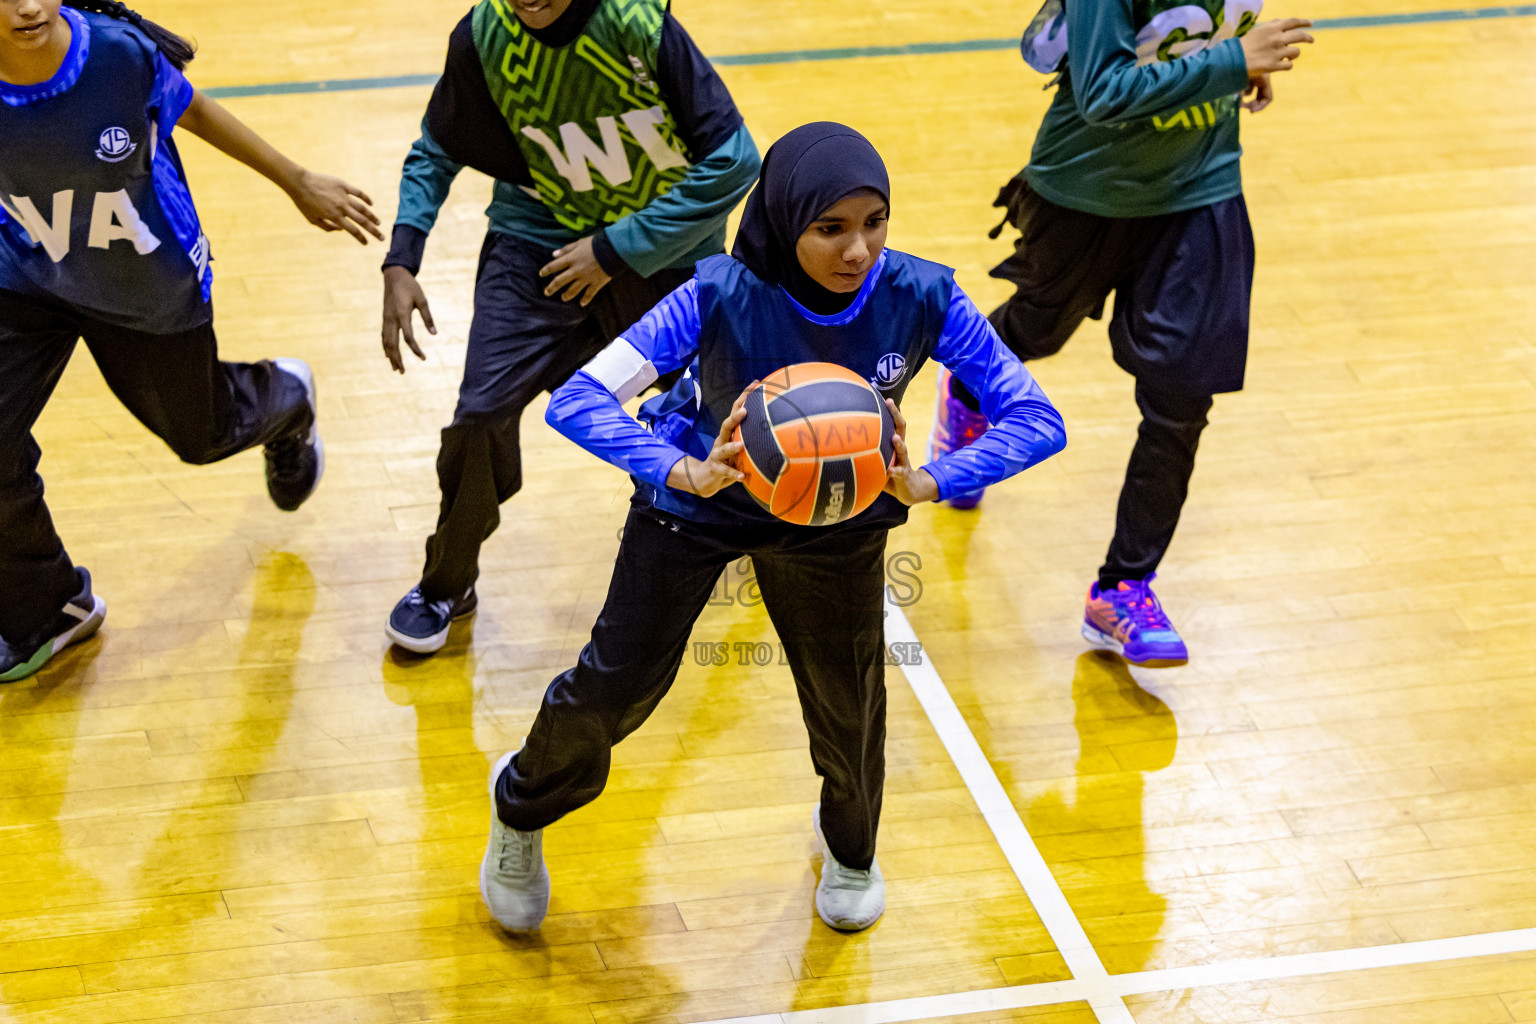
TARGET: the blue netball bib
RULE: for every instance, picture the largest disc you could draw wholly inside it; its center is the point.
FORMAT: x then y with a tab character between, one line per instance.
94	210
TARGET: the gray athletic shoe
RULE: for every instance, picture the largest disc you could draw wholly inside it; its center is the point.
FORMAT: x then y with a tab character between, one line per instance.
514	883
847	900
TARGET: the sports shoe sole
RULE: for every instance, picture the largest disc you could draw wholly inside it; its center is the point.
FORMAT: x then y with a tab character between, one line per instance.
485	861
1104	642
426	644
74	635
300	369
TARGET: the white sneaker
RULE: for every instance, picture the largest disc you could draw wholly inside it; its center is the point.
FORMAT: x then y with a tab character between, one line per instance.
514	883
847	900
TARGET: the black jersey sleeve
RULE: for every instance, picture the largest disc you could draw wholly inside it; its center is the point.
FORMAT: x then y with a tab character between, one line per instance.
700	103
463	118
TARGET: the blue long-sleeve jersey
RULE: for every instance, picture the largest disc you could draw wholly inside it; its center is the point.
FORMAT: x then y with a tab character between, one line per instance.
588	409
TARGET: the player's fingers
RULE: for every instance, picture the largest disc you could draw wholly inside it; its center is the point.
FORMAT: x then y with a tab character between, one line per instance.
897	418
554	266
361	209
1290	23
561	280
392	346
420	303
355	231
353	190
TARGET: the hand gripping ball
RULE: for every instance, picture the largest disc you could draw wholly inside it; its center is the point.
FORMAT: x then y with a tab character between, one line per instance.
817	444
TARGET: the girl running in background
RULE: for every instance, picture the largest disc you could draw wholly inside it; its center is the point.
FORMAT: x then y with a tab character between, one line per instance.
99	239
1134	187
809	280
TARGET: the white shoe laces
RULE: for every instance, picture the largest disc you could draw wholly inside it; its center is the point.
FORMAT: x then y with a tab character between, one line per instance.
516	853
442	608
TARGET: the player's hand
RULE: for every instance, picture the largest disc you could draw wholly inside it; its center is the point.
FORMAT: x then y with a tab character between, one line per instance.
403	297
1263	93
1275	45
332	205
576	272
710	476
909	485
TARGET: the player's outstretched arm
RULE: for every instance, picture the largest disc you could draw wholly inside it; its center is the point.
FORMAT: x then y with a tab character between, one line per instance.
326	202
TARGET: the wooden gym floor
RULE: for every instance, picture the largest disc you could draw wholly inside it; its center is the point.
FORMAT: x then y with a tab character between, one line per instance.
238	806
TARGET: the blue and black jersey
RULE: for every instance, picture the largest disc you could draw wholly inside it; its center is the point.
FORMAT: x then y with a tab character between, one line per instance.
729	328
95	212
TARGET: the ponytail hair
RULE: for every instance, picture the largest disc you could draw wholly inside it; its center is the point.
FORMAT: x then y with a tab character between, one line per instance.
177	50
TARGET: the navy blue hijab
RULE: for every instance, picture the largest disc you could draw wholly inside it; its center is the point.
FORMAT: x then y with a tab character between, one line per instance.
804	174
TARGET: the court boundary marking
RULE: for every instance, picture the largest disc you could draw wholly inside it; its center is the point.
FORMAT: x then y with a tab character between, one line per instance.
853	52
1090	983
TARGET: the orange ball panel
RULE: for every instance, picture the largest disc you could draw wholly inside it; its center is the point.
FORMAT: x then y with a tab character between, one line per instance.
870	475
794	499
803	373
829	435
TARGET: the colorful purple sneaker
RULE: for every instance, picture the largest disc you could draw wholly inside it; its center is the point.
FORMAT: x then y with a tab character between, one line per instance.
954	427
1131	622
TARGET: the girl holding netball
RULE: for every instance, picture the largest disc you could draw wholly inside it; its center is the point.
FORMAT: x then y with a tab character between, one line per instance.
809	279
99	239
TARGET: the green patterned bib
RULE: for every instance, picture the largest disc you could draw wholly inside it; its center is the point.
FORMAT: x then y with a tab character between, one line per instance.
588	117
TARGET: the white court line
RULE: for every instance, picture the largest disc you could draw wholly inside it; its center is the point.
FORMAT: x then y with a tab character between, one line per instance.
1061	924
1090	983
1343	961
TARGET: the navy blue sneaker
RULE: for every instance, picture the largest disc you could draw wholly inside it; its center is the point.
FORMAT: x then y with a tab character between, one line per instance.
296	463
77	621
421	626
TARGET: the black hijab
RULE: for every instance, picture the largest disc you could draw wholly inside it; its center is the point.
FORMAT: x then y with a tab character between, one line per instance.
804	174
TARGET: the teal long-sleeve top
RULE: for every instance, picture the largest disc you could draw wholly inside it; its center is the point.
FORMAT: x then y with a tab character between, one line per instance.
676	230
1124	138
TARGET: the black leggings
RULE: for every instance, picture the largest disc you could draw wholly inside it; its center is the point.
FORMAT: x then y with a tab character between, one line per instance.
823	590
521	343
1156	480
204	409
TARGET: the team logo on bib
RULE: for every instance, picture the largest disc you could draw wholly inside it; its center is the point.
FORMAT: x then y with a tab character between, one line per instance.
889	371
115	145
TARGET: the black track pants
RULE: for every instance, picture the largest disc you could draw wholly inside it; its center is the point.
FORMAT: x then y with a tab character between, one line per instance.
823	590
204	409
521	343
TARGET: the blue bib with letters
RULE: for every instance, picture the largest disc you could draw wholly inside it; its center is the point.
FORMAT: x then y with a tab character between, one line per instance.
94	208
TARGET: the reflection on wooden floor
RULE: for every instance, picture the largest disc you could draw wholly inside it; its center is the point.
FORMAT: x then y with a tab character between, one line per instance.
238	805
